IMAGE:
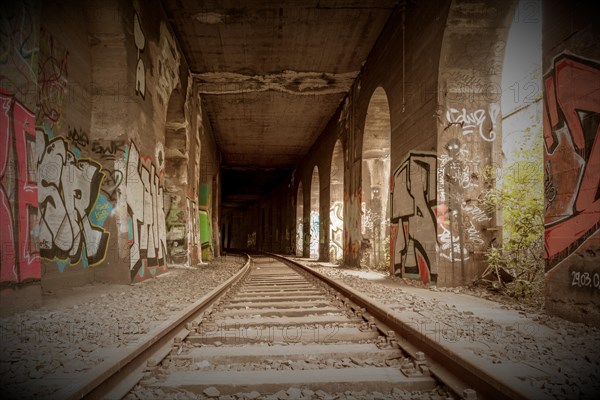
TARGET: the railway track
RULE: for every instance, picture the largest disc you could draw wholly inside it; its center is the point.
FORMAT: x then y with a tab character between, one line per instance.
277	325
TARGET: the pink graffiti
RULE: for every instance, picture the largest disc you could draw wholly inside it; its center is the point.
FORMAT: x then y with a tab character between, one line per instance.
19	254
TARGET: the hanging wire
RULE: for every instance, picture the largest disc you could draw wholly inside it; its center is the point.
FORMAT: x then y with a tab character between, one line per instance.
403	9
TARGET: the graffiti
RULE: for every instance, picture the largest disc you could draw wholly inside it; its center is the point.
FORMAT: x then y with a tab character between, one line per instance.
146	220
68	192
585	279
473	235
413	218
314	234
176	227
19	54
140	44
108	152
352	234
475	213
480	121
299	236
77	138
453	170
449	246
251	242
193	231
19	253
572	158
168	61
549	188
205	219
112	181
52	80
336	232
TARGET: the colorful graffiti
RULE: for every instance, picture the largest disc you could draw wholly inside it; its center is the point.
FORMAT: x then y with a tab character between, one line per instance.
146	216
205	219
336	232
193	231
140	44
19	253
72	211
413	236
572	157
52	81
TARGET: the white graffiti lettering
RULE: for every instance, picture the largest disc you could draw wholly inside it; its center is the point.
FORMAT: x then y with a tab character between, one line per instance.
68	190
147	230
481	121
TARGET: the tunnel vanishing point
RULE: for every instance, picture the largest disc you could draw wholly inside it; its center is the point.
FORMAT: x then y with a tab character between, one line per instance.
139	135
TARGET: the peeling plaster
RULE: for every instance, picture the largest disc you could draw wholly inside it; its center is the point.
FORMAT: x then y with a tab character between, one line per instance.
292	82
211	18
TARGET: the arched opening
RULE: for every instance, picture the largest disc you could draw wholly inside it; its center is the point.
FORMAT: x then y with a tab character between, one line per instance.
469	142
375	182
299	221
314	214
522	175
175	161
336	208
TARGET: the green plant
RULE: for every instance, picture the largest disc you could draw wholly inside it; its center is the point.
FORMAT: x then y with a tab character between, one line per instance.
517	265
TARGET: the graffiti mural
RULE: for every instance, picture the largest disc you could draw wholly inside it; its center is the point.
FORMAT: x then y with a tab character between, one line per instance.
572	155
19	253
336	232
146	216
140	44
52	80
413	235
72	210
205	219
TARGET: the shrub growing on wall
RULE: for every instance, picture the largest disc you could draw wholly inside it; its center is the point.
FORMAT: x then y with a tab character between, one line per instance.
520	198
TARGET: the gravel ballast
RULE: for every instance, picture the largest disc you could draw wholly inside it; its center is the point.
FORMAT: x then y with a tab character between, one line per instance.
73	330
493	330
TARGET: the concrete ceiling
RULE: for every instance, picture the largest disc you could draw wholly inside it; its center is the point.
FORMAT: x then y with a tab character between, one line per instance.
272	73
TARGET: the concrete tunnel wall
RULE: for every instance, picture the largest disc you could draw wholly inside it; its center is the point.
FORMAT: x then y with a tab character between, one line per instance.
109	170
454	66
110	166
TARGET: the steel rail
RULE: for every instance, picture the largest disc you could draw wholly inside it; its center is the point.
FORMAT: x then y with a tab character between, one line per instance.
114	375
453	370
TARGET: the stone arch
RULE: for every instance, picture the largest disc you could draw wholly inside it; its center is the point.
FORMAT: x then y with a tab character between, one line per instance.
176	178
469	140
299	221
375	178
336	204
315	215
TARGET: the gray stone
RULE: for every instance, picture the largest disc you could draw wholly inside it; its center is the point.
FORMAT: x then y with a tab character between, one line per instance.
294	393
212	392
